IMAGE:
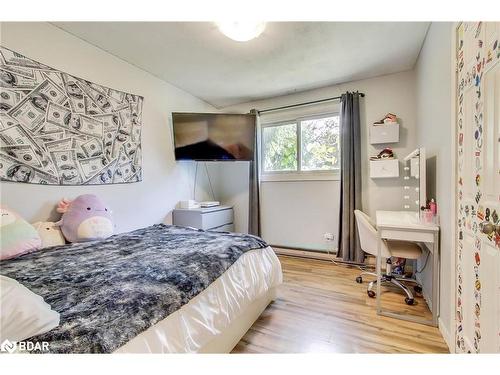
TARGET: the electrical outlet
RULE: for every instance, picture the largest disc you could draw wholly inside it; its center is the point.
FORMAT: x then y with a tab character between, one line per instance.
328	236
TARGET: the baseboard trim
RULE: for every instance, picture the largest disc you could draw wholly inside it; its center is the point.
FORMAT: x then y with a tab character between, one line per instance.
311	254
324	251
315	254
447	336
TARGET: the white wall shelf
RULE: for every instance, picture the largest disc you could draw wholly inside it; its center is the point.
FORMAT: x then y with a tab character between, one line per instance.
384	168
384	133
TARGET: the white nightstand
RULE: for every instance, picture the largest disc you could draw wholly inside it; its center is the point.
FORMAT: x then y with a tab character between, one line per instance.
218	218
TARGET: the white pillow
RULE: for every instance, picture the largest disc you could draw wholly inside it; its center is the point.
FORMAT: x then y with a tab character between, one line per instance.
23	313
50	233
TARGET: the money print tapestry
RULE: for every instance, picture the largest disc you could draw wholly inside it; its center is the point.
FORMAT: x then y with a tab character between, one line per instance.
58	129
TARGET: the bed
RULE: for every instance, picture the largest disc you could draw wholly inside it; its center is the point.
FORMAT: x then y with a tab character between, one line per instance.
160	289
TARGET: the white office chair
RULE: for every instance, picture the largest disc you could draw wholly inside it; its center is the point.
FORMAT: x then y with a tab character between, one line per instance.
402	249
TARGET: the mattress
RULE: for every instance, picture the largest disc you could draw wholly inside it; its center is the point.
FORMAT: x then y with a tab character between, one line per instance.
110	291
218	316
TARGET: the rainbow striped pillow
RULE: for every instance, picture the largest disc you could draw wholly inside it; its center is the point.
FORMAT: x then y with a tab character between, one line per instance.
17	236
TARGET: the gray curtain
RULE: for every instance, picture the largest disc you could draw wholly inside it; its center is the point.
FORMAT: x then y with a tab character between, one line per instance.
254	185
350	178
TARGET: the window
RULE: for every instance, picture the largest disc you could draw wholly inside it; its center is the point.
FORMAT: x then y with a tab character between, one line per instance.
306	148
280	148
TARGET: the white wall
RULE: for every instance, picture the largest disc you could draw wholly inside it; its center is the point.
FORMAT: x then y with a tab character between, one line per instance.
164	182
391	93
298	214
433	94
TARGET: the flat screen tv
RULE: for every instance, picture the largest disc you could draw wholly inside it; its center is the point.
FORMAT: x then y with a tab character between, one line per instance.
213	136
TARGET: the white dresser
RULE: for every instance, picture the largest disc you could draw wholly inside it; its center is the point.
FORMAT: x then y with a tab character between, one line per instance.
218	218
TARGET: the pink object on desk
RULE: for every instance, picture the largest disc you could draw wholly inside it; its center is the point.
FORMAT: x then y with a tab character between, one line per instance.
427	216
433	207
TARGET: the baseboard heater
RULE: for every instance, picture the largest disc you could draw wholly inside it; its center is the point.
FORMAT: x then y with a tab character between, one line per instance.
304	253
317	254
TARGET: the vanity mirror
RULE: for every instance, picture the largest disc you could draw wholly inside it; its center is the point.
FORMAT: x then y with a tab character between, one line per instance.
414	192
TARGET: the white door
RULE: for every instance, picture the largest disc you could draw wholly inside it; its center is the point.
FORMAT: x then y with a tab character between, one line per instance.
478	187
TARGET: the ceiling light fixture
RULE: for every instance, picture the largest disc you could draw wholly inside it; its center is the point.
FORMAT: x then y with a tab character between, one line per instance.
241	31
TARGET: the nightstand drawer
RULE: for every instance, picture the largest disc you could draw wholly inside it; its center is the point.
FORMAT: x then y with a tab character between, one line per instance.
215	219
204	218
223	228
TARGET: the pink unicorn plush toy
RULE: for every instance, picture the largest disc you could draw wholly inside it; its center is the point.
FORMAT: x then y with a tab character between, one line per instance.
86	218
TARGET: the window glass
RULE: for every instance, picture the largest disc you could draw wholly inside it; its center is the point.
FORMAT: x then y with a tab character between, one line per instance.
279	148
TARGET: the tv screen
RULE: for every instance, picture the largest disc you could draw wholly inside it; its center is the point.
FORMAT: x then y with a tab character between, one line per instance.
211	136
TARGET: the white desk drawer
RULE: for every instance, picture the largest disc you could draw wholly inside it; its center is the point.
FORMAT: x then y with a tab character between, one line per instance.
413	236
384	168
215	219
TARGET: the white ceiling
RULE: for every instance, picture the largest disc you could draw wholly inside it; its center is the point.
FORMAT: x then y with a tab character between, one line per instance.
288	57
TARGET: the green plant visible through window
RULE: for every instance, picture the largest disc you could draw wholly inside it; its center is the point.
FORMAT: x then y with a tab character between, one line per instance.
320	144
280	148
318	149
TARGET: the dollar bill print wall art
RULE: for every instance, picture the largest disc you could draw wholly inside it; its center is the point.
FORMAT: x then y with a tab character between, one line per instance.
58	129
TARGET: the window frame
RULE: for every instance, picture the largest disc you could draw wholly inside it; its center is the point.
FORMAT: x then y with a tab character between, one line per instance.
296	175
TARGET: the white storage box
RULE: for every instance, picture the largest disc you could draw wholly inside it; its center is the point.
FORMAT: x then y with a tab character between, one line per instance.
384	133
384	168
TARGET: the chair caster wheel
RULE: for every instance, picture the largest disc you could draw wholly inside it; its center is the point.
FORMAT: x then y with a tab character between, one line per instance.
359	279
370	293
417	289
409	301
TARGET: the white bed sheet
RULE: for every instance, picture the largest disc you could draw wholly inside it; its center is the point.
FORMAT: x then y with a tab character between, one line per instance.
191	329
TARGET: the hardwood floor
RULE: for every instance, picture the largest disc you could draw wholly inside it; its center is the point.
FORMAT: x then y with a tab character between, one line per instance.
320	308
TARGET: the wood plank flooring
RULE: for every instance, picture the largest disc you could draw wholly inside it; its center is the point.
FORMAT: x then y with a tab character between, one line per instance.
320	308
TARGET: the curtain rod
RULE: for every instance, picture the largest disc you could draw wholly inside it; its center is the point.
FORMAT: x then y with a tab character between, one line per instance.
305	103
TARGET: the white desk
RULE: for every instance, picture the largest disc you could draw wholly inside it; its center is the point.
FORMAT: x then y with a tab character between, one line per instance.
406	226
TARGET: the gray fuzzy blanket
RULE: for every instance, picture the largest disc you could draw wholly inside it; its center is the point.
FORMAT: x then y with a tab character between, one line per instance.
109	291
